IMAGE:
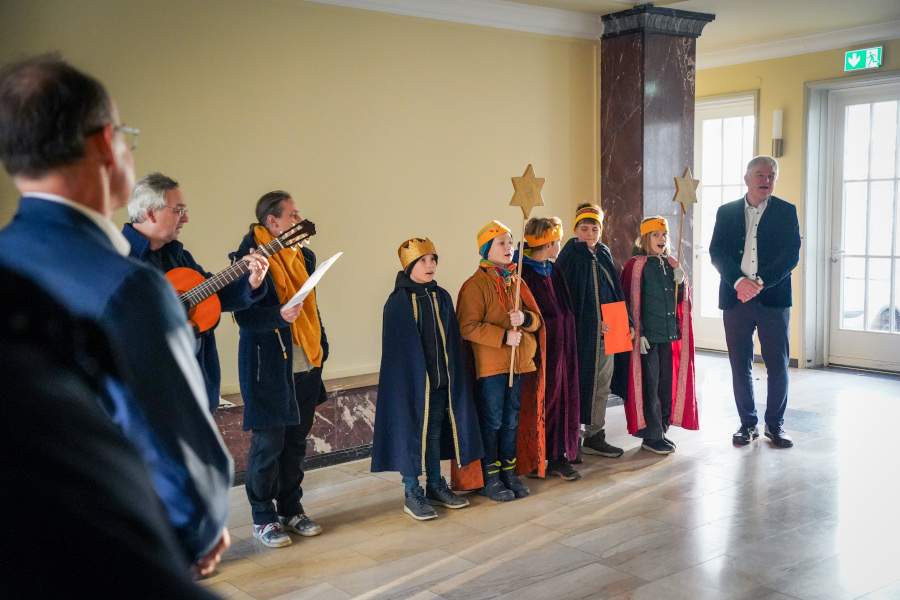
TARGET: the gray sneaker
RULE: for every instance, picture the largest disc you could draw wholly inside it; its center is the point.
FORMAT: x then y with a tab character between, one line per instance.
441	495
271	535
417	506
596	444
301	525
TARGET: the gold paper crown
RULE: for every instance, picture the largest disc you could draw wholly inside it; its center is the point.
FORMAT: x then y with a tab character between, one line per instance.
490	231
414	248
588	212
654	225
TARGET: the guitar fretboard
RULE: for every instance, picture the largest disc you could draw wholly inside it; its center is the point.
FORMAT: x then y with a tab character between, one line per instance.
196	295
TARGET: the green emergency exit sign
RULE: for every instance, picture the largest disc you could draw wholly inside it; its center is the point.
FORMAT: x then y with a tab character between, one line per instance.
868	58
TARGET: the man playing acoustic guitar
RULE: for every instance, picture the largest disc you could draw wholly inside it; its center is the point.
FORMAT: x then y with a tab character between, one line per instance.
158	212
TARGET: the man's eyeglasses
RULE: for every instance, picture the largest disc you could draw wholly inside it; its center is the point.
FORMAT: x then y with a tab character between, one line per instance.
131	134
181	211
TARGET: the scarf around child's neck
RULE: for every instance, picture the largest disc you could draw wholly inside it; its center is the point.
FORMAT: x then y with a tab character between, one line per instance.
497	270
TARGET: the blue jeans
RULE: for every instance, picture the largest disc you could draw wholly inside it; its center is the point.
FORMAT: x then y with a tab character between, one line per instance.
498	409
771	324
438	404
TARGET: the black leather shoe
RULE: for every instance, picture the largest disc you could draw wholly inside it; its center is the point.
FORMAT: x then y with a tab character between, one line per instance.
744	435
779	437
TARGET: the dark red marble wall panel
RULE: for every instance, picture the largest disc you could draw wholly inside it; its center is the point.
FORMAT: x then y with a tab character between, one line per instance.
646	134
621	141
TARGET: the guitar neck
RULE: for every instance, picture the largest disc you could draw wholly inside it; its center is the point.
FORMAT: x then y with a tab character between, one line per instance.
196	295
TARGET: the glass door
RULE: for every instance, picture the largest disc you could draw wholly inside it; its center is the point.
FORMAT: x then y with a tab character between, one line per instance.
864	327
724	142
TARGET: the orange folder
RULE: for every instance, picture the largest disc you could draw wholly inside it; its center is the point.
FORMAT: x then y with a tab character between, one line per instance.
616	316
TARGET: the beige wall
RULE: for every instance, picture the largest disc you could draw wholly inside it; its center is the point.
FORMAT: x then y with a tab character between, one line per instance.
781	87
382	127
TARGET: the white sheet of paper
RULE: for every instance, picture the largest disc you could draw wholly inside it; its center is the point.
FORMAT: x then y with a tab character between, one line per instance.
307	287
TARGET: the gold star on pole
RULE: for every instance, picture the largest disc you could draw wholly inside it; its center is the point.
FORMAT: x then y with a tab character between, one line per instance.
686	190
528	191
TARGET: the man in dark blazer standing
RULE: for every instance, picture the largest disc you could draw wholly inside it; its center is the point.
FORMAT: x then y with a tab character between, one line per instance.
68	153
755	246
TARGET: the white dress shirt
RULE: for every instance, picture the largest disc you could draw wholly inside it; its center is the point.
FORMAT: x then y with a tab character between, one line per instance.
750	258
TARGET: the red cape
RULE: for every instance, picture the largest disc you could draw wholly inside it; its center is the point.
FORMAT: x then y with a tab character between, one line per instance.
531	445
684	396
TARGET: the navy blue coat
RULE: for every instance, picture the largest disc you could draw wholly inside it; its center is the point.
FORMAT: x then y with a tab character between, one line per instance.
234	296
581	266
778	250
400	415
160	402
266	354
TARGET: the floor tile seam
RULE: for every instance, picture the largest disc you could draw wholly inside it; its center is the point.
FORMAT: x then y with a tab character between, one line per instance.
566	569
773	573
719	552
419	586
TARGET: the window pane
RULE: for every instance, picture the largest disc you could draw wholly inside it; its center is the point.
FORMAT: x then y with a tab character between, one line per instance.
884	139
712	151
853	294
856	142
709	294
896	328
732	150
878	297
710	201
855	217
748	142
881	218
732	192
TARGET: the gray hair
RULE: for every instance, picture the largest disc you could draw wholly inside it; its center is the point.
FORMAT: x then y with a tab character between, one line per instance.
762	160
149	194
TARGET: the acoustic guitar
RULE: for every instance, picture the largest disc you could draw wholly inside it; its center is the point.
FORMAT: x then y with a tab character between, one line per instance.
198	294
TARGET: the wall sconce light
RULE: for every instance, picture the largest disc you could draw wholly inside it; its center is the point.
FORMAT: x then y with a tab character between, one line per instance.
777	141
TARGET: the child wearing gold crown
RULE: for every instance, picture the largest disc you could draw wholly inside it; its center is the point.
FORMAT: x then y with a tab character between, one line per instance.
593	280
487	314
660	301
425	411
561	400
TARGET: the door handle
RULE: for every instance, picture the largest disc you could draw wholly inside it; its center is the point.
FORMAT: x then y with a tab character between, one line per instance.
834	253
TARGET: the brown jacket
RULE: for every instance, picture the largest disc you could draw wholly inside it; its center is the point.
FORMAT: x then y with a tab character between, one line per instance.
484	321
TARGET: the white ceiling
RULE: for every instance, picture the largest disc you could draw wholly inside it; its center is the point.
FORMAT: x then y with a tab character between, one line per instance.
741	23
743	30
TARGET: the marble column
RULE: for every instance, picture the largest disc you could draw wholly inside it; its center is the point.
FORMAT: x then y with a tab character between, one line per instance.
647	68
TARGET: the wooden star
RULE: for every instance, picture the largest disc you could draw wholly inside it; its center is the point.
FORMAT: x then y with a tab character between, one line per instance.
686	190
528	191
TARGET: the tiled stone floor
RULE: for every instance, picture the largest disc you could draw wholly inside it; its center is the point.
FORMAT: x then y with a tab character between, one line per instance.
817	521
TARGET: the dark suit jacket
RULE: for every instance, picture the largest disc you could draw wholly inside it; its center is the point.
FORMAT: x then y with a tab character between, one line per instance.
235	296
64	459
160	402
778	250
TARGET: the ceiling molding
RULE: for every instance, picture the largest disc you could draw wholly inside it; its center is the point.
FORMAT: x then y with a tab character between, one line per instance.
489	13
800	45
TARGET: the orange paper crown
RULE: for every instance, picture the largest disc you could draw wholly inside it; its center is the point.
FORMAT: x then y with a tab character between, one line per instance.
490	231
554	233
654	225
410	250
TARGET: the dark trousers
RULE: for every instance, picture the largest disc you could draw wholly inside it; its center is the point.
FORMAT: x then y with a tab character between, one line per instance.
656	372
498	410
275	460
438	404
771	323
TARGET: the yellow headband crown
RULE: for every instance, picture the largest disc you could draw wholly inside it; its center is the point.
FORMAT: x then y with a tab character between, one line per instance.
654	225
414	248
588	212
490	231
552	234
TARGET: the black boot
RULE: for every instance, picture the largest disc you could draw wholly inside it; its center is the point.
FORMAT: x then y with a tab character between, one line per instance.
493	489
511	480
